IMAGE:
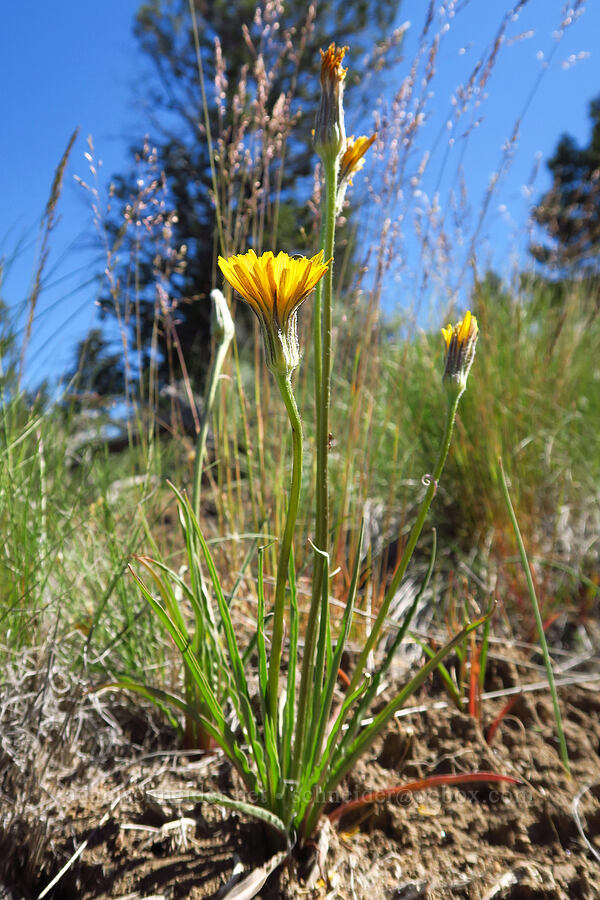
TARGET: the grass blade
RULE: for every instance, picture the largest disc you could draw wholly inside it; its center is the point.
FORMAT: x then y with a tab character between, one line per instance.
564	755
322	662
222	736
273	767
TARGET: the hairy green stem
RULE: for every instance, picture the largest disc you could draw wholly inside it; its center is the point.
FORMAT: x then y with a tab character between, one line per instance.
285	548
322	340
324	398
433	479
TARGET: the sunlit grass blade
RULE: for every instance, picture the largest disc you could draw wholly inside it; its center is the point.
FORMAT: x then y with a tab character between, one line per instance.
205	616
564	755
205	640
483	655
273	766
165	589
163	700
222	736
260	635
183	644
449	683
312	783
243	568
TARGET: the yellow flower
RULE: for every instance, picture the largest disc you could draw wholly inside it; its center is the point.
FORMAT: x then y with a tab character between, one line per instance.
352	161
275	287
353	158
330	130
460	343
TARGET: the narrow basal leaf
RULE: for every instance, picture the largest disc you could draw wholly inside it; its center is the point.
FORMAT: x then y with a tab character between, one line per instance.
241	695
366	738
164	586
273	765
214	799
323	654
334	665
223	737
370	694
289	714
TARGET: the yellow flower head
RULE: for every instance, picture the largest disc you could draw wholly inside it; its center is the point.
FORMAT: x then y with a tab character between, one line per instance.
330	130
460	350
275	287
353	158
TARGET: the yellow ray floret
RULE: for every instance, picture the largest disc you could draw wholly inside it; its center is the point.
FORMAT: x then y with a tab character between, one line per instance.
460	343
275	287
462	332
353	158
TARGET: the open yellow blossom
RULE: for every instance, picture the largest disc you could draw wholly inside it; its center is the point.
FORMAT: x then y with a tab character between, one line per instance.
351	162
275	287
330	130
460	343
353	158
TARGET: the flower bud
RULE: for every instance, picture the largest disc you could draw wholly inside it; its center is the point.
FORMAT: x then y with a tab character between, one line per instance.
221	323
460	343
330	131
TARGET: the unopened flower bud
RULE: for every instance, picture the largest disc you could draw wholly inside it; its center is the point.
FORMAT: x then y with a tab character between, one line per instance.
460	343
222	324
330	131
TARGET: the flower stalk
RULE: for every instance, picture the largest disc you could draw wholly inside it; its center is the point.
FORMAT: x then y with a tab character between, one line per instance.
460	343
275	288
285	548
323	335
341	158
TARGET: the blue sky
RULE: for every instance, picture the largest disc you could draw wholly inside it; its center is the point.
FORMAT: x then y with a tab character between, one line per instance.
71	64
63	65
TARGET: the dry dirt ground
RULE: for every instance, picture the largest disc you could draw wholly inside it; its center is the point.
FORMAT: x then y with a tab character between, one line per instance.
81	786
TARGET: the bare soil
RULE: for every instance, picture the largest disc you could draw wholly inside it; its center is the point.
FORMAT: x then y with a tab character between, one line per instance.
84	786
